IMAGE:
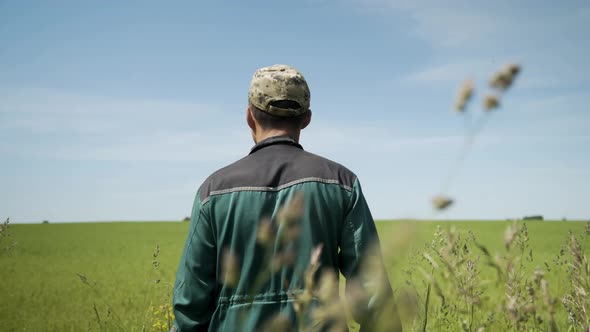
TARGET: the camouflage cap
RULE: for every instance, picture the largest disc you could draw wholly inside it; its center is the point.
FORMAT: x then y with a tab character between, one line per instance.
279	83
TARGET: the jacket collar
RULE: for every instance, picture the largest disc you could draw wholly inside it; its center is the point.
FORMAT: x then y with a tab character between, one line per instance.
286	140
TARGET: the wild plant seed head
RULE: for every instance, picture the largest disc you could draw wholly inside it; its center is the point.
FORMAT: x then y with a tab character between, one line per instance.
292	210
314	265
441	202
332	313
292	232
356	298
316	254
264	235
276	263
490	103
430	260
513	69
502	79
529	308
288	257
464	95
157	251
303	300
278	322
328	286
230	268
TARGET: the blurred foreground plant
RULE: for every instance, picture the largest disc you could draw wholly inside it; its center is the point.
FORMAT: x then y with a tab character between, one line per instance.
315	293
577	300
500	82
465	298
6	243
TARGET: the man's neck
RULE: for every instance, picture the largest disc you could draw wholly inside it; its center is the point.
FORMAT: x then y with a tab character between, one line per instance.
262	135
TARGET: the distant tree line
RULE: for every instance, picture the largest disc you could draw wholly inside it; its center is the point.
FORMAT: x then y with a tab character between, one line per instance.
534	217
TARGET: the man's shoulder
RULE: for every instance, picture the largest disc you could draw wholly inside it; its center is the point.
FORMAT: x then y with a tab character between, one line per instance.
215	177
336	168
267	171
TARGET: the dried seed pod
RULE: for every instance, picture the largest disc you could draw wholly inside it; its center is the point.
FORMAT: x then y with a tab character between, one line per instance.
490	103
430	260
230	269
289	218
293	209
289	256
264	234
278	322
328	286
529	308
276	263
305	298
315	256
464	95
503	78
510	235
441	202
513	69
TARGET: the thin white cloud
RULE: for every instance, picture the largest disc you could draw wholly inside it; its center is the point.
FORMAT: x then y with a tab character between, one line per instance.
454	72
442	24
57	125
445	27
163	146
549	40
378	141
485	25
39	101
553	104
51	111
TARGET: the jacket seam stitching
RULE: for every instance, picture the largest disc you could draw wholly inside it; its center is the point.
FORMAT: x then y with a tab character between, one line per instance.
278	188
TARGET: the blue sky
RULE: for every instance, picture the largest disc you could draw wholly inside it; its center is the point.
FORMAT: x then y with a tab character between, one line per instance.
118	110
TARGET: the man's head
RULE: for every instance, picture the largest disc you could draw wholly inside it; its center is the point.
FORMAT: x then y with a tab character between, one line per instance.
278	102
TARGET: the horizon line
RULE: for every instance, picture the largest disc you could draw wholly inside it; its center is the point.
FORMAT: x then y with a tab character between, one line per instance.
376	220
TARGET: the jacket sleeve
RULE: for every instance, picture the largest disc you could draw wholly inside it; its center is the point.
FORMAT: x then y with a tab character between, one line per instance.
361	262
194	290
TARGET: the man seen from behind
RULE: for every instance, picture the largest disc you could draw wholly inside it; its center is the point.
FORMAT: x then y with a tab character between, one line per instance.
262	224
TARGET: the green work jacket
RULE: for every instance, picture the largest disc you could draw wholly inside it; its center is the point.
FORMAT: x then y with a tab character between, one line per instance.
229	209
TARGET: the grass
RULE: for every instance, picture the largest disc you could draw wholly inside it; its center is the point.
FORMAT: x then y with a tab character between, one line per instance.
546	239
42	291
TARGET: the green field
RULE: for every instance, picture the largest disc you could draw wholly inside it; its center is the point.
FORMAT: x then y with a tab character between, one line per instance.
41	289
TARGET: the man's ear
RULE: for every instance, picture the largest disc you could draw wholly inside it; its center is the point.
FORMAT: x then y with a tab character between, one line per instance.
306	120
250	119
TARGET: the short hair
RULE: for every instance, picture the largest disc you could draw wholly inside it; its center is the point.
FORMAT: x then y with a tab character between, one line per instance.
271	121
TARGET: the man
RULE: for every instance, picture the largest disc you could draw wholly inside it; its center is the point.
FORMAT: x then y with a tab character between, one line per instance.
228	278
